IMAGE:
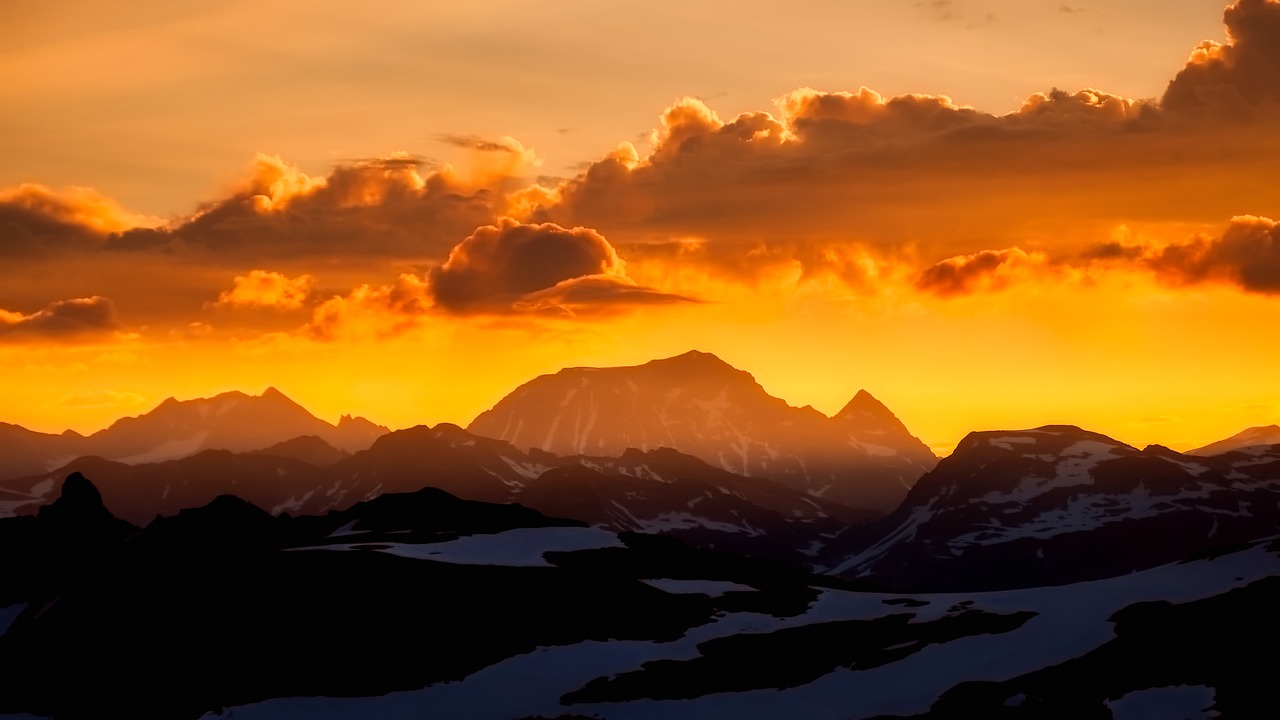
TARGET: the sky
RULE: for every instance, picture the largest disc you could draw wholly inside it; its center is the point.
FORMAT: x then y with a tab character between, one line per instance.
987	214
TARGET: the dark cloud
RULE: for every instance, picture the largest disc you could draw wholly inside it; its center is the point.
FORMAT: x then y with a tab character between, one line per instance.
1247	254
1243	72
62	319
498	267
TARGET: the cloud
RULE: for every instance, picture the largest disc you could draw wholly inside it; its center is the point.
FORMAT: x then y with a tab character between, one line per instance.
62	319
36	220
985	270
1247	254
375	312
1245	71
512	265
261	288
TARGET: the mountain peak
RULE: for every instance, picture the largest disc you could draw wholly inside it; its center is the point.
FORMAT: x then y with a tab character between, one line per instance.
1259	435
79	502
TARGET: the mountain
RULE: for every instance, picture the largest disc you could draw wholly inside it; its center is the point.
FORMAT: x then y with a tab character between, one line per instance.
659	491
230	421
27	452
1059	504
702	406
306	448
1253	437
513	614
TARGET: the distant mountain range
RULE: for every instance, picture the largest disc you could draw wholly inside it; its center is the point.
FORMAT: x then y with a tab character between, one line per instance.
692	448
700	405
231	421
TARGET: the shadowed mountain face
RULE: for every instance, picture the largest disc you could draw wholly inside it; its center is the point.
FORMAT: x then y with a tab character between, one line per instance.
1059	504
698	404
231	421
659	491
1253	437
508	613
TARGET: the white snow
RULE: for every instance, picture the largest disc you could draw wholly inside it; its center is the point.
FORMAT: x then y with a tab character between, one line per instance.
522	547
8	615
905	532
1006	442
683	521
1177	702
295	503
1072	621
1090	511
1075	467
527	470
712	588
168	450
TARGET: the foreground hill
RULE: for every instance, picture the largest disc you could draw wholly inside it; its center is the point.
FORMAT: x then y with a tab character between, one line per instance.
510	614
1059	504
231	421
702	406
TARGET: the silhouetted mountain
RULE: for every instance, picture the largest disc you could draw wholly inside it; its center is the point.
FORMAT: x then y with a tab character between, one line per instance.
64	538
700	405
1253	437
174	429
233	605
308	449
511	614
1059	504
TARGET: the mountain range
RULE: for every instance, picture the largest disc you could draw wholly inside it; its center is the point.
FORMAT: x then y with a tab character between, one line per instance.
230	421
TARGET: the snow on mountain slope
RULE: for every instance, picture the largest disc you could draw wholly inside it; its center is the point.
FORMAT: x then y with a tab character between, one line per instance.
700	405
1058	624
1057	504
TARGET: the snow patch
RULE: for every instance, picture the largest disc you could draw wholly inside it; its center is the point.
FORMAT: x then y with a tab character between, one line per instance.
168	450
1177	702
522	547
8	615
711	588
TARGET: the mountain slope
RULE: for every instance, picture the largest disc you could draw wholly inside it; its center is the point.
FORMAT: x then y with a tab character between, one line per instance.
1059	504
1252	437
174	429
700	405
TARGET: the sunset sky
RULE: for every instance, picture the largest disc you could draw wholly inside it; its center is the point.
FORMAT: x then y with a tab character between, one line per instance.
989	214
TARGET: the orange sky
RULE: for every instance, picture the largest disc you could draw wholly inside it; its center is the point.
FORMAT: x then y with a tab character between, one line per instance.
407	213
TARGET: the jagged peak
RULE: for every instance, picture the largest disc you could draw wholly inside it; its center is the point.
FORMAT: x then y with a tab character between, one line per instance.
864	403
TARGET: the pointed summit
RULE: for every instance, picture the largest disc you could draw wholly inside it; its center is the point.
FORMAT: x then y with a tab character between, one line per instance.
866	412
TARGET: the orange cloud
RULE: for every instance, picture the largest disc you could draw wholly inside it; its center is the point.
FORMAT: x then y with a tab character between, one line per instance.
62	319
372	312
261	288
